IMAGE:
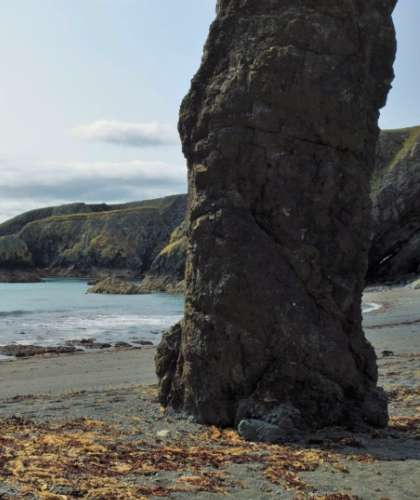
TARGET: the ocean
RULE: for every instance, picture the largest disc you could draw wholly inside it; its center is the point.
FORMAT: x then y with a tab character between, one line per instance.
58	310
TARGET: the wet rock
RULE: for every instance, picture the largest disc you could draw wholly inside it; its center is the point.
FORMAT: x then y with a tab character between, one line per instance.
143	342
88	344
279	130
122	345
24	351
114	286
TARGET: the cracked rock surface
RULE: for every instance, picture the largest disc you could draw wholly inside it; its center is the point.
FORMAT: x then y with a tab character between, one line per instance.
279	130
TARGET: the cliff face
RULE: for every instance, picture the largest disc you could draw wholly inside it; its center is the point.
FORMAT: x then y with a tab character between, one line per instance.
395	250
126	237
279	130
167	272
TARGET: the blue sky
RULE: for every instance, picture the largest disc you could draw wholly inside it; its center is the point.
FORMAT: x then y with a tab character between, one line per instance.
90	91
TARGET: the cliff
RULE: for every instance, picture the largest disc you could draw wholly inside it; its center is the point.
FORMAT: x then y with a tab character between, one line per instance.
83	239
168	269
395	249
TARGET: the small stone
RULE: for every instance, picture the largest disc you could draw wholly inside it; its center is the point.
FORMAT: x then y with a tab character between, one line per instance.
163	434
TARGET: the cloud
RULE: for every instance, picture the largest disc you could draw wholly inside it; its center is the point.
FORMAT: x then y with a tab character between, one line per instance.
138	135
24	187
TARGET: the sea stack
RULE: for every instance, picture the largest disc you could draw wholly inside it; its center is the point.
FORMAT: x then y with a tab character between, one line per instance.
279	130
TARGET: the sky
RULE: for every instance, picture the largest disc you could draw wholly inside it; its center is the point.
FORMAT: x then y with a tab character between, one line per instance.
90	92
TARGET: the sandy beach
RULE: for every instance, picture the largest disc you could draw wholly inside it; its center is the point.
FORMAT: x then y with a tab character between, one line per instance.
85	393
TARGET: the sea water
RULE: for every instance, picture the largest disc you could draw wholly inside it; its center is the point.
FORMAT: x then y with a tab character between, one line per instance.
58	310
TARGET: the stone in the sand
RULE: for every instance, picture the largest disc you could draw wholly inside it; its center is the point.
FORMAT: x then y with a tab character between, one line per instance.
163	434
24	351
279	130
115	286
122	345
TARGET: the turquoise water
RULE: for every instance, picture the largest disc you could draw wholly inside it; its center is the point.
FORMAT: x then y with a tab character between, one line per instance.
58	310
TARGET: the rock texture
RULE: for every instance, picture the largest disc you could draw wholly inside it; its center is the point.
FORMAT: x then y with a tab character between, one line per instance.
395	250
279	130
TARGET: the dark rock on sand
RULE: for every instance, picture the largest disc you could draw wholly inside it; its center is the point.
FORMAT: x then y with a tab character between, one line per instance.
88	344
122	345
24	351
279	130
143	342
114	286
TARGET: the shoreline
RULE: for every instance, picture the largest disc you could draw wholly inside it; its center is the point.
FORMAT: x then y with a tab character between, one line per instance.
391	327
110	399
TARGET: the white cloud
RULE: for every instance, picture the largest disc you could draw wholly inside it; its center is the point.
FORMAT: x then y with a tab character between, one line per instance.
127	134
25	186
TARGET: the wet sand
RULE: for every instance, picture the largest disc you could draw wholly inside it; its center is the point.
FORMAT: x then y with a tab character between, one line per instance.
76	372
115	388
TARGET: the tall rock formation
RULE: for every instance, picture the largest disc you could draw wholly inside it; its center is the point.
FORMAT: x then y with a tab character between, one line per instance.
279	131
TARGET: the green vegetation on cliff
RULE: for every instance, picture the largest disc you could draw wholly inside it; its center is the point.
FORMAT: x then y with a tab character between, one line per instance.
92	239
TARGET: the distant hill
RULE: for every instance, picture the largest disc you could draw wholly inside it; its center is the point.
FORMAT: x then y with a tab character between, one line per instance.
81	239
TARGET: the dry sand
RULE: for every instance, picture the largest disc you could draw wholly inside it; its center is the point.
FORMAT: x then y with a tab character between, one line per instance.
115	388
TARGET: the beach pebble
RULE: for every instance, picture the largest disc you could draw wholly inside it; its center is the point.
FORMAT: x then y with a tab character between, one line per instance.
164	433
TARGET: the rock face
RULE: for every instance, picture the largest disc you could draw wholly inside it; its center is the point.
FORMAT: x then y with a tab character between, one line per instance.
279	130
167	272
395	250
84	239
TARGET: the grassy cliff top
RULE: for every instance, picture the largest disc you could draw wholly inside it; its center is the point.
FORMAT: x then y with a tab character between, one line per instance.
83	211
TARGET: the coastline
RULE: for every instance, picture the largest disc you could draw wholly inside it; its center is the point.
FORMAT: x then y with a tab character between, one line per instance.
113	393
